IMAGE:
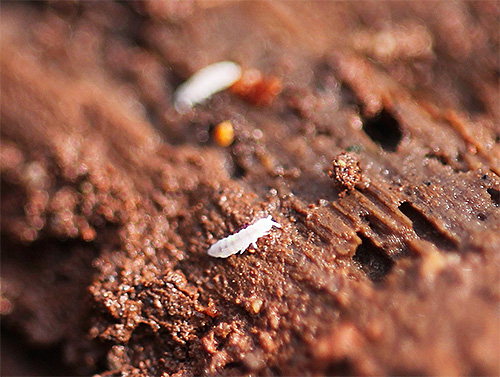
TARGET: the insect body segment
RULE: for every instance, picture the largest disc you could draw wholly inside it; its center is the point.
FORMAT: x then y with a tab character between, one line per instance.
239	242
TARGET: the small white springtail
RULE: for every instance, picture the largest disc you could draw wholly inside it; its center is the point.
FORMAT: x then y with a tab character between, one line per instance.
204	83
238	242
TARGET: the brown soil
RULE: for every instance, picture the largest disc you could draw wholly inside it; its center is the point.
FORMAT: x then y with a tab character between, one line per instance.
110	198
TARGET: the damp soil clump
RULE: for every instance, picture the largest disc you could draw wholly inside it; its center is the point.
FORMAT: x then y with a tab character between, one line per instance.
345	172
110	198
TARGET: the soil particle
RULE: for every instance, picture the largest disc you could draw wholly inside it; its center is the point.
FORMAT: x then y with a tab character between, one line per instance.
345	172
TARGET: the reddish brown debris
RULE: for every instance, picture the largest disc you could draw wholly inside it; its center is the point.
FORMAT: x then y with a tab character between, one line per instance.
256	89
346	172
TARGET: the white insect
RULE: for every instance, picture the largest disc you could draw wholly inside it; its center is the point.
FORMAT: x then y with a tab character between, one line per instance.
204	83
238	242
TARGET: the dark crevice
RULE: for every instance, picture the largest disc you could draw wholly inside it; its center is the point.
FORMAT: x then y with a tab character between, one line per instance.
462	165
20	357
481	217
348	96
425	229
373	260
385	130
495	196
340	368
474	104
392	242
238	170
439	157
458	165
471	97
377	226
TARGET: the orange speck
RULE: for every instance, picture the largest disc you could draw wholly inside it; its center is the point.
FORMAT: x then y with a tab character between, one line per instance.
224	134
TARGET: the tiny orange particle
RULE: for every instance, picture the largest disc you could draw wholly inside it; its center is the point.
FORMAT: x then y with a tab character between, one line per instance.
224	134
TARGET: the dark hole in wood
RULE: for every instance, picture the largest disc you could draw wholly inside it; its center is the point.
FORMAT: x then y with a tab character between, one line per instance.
385	130
238	170
372	259
425	229
481	216
442	159
495	196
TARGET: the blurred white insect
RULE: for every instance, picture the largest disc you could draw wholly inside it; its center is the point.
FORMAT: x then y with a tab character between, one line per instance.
204	83
239	242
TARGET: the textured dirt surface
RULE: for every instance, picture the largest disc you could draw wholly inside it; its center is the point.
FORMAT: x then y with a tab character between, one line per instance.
110	198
